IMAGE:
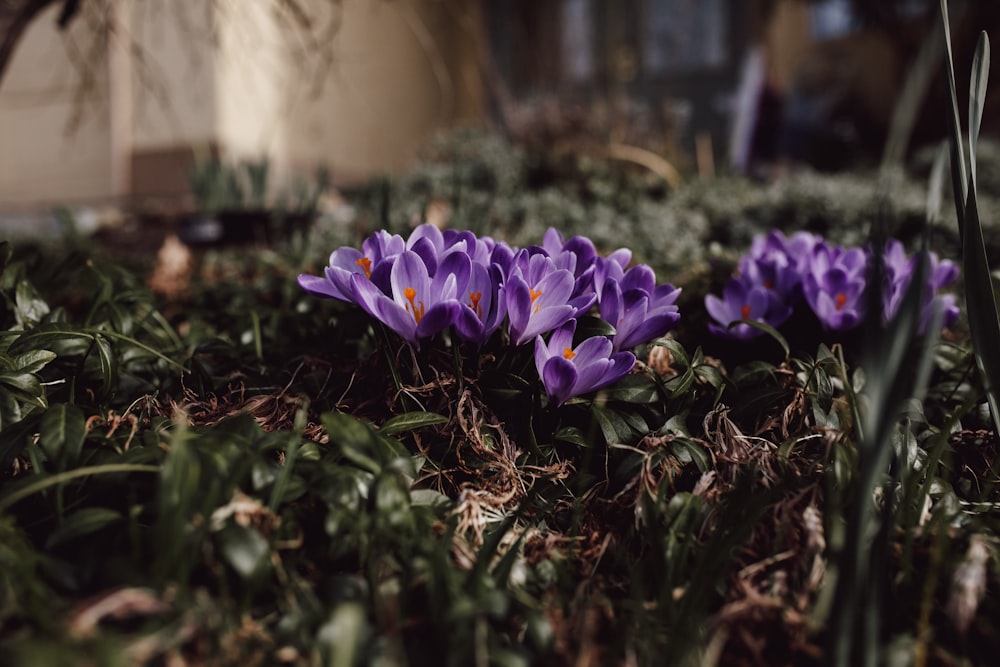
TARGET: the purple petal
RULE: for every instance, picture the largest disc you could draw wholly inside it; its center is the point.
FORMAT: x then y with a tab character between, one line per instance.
543	321
641	277
438	317
558	377
321	287
719	310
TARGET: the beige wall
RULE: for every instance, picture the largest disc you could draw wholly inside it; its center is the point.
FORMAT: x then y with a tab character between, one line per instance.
40	157
252	67
174	88
224	75
401	71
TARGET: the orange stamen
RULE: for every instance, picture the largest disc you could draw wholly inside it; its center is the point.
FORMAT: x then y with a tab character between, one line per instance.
768	283
745	312
418	311
365	264
474	298
568	353
535	295
840	300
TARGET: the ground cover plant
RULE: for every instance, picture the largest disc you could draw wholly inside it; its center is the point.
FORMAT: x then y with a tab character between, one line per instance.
386	442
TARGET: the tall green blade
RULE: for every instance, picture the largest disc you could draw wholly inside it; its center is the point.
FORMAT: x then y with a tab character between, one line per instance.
984	323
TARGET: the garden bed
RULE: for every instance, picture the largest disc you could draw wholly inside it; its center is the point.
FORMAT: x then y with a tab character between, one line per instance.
239	472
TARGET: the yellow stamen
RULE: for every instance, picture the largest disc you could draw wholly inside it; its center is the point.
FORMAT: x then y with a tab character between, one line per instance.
568	353
365	264
535	295
840	299
418	311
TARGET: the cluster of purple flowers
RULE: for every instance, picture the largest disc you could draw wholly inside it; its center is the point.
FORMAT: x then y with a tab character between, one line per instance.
478	287
780	272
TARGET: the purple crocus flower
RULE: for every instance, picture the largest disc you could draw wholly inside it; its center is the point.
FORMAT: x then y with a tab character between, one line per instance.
417	306
578	255
540	298
637	308
484	304
742	302
610	268
898	272
940	273
777	262
834	286
374	261
567	371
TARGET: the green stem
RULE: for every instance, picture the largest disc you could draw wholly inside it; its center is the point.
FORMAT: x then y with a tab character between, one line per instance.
63	477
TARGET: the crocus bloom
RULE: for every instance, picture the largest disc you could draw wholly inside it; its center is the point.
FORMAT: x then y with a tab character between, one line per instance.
777	262
540	298
638	313
898	272
374	261
834	286
418	306
567	371
611	267
744	302
485	306
940	273
578	255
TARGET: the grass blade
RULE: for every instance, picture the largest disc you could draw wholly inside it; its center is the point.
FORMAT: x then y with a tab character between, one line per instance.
984	323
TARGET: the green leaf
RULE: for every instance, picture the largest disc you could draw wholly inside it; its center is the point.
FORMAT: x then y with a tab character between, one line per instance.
677	350
21	489
633	388
30	308
63	429
935	186
959	180
430	498
359	443
245	549
614	428
10	410
688	451
977	99
572	435
83	522
26	386
984	324
590	326
339	641
109	365
33	361
411	421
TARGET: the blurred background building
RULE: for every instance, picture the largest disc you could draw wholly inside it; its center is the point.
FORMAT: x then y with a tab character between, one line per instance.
114	106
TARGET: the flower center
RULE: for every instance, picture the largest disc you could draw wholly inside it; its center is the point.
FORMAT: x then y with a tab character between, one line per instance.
474	298
535	295
745	312
840	300
365	264
768	283
568	353
418	311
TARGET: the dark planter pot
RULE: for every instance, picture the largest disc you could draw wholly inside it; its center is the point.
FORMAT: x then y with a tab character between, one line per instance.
225	228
